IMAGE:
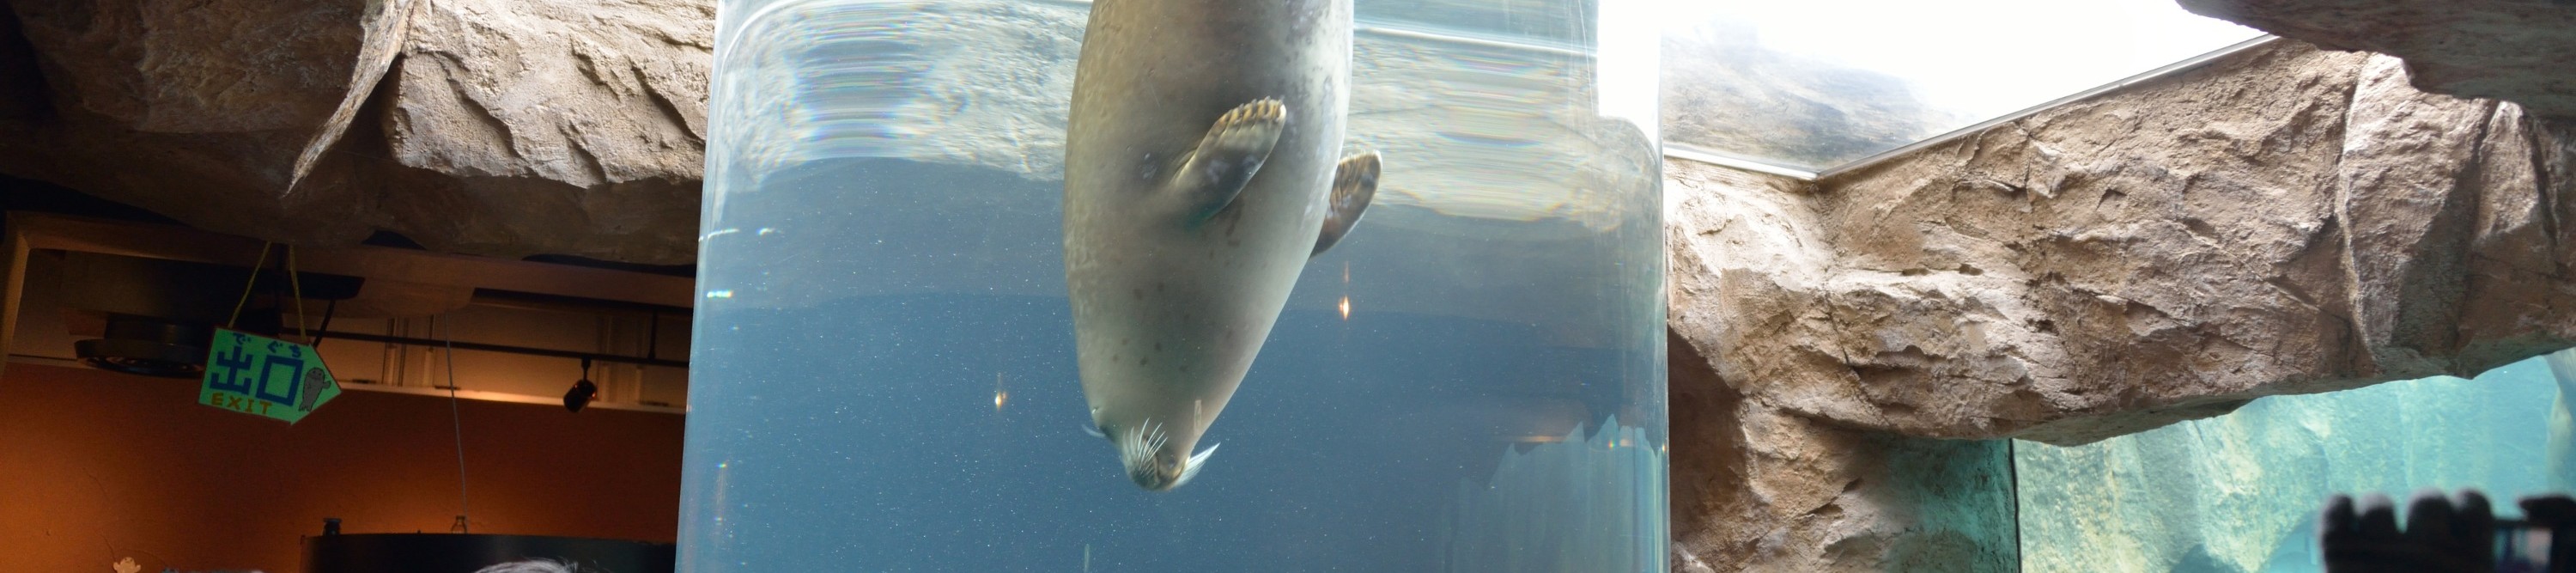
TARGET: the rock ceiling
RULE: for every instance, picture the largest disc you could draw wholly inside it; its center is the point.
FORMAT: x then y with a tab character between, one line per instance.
2522	51
477	126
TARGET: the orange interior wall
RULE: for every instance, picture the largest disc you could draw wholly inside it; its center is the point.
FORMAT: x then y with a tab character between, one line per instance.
98	466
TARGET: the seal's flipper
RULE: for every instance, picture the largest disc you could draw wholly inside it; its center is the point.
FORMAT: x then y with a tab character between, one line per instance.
1226	159
1354	182
1197	461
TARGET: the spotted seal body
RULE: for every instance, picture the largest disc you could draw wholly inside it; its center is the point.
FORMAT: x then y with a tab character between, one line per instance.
1202	170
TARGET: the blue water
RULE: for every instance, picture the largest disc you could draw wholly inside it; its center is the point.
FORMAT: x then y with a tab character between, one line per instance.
2240	492
884	376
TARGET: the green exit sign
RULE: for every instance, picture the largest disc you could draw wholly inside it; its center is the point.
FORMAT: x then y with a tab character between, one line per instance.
264	376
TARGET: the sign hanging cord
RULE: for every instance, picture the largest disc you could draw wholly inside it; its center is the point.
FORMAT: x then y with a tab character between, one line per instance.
295	288
248	285
464	503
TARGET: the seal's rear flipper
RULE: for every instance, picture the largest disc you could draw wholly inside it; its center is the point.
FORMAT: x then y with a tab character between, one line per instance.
1196	462
1354	182
1227	158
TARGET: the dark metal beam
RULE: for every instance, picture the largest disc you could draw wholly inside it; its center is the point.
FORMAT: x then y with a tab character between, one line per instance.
477	346
58	232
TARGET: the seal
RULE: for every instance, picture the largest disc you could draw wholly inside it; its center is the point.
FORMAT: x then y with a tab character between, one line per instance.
1200	176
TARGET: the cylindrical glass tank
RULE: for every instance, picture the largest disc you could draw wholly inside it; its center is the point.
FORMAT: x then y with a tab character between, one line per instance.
890	367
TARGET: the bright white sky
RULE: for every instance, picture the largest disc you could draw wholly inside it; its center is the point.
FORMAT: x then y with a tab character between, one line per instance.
1982	58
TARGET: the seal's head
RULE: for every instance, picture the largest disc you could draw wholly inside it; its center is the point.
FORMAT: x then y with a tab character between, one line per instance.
1152	462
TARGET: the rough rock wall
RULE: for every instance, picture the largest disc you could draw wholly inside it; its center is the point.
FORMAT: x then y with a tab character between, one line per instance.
2286	220
2289	220
2513	50
1757	488
483	126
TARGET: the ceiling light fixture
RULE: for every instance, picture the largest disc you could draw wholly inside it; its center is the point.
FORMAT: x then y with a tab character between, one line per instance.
582	391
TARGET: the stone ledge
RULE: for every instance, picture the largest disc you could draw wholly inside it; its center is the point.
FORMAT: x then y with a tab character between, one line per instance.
2513	50
2286	220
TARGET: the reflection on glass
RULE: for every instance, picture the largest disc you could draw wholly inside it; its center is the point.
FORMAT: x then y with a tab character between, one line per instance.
1814	84
888	379
2239	492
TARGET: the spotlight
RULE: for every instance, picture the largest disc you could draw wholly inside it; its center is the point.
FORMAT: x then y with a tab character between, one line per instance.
582	391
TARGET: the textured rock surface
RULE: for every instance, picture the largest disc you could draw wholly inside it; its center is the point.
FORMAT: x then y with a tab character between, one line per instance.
2286	220
2521	51
2289	220
1757	488
179	67
508	128
582	93
138	100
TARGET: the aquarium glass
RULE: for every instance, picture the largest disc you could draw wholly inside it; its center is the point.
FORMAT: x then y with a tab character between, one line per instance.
2240	492
1814	84
885	372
